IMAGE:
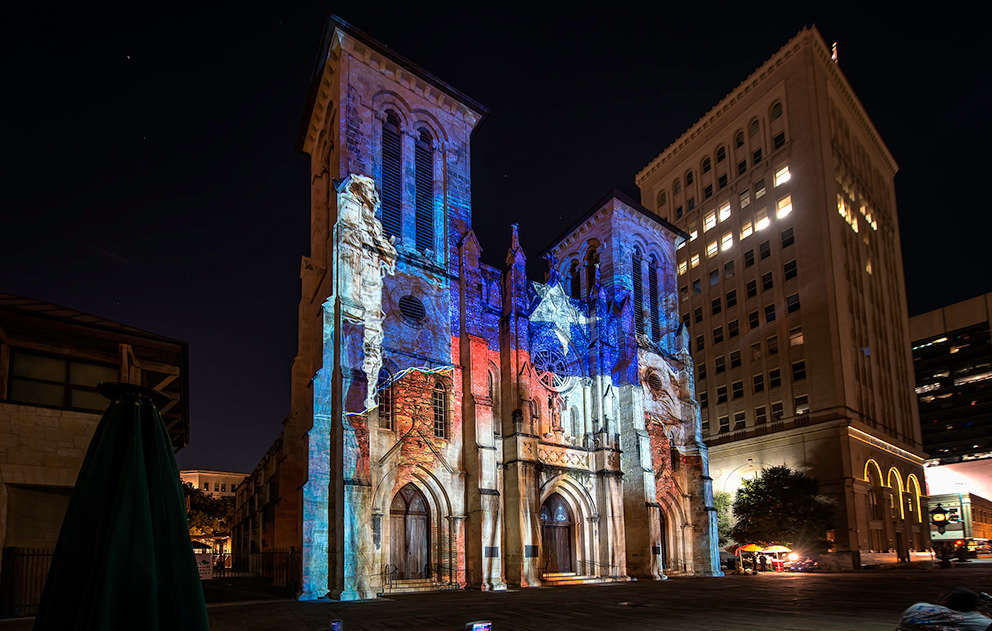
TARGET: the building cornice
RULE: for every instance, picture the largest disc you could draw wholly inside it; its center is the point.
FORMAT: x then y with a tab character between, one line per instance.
807	37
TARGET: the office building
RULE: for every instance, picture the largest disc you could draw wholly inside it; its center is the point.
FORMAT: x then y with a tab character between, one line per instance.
791	285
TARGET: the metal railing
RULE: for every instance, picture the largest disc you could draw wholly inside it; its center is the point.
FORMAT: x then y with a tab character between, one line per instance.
253	575
22	580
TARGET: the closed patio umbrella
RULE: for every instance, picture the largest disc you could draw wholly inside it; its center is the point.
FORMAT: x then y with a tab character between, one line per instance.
123	558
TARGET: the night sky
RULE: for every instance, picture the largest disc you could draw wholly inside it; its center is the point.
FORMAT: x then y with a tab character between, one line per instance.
149	173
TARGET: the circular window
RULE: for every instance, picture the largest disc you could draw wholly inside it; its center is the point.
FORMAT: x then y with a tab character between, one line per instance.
412	309
551	368
654	382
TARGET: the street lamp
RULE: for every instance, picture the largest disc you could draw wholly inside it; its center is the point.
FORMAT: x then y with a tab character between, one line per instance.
938	517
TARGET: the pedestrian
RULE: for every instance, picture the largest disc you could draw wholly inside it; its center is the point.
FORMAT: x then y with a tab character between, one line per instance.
764	563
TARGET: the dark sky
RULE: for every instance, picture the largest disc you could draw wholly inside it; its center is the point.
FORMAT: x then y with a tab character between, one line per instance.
149	175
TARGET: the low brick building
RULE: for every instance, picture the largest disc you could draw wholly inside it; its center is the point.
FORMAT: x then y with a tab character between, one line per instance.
51	359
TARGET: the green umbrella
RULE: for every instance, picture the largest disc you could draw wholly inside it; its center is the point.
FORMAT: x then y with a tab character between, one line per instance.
124	558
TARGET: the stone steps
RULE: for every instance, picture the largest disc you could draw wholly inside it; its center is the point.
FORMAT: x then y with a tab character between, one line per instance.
413	585
569	578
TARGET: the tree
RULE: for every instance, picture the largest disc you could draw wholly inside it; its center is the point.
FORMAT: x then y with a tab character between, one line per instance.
782	506
721	502
208	517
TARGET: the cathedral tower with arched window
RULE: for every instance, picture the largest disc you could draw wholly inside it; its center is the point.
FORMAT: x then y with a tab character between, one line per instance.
454	424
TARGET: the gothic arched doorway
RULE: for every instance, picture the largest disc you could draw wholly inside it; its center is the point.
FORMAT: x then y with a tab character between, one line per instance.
556	534
409	532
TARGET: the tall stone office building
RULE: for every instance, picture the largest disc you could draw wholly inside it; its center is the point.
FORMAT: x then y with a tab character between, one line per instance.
791	284
455	423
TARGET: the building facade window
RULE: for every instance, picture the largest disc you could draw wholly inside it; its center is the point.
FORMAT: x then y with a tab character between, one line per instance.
792	303
798	370
731	298
735	359
774	378
424	167
391	169
790	270
439	401
638	282
760	415
770	313
384	392
758	383
739	420
788	237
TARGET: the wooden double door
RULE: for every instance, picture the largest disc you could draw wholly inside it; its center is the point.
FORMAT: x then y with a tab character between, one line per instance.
409	533
556	534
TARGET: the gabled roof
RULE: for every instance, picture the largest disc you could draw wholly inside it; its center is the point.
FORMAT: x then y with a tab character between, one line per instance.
627	201
334	22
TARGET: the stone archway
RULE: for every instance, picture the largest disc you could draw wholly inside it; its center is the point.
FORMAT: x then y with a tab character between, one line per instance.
409	536
557	524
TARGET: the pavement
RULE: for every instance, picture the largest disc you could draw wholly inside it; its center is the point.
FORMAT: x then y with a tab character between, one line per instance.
869	600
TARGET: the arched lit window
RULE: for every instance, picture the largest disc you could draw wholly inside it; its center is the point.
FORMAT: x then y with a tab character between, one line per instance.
424	165
638	280
384	397
654	298
439	401
707	165
776	110
391	167
755	128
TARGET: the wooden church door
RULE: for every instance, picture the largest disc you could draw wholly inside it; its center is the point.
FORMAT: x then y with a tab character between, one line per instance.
409	533
556	534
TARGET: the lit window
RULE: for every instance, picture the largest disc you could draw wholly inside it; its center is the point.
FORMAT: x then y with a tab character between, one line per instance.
725	211
680	245
784	206
802	404
711	249
796	336
726	242
746	229
693	235
745	198
761	220
710	222
439	401
868	266
759	188
683	267
694	262
782	175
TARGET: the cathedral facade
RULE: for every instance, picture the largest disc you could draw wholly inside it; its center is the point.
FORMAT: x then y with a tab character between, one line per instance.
455	424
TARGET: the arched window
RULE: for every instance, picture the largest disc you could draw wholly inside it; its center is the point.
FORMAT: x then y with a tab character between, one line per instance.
638	280
776	110
677	187
439	401
739	139
424	165
654	298
391	166
576	283
688	178
662	199
755	128
707	165
384	396
721	154
592	259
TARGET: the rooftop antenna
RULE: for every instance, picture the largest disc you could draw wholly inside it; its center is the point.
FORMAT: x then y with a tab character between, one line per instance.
833	54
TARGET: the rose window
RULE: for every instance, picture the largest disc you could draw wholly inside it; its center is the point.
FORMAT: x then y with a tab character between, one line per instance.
551	368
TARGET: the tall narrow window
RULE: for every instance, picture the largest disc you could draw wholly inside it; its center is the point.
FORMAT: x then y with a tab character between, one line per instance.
638	280
391	162
384	392
576	287
424	165
439	401
655	300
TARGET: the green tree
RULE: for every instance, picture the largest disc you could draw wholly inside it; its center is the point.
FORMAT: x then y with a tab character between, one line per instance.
208	517
721	502
782	506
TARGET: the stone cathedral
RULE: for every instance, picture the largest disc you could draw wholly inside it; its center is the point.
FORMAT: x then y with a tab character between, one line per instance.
455	424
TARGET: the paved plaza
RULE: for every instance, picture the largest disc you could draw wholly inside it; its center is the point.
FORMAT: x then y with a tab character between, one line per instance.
854	601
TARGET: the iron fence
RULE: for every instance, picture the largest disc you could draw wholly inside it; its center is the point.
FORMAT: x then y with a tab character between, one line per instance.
253	575
22	580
